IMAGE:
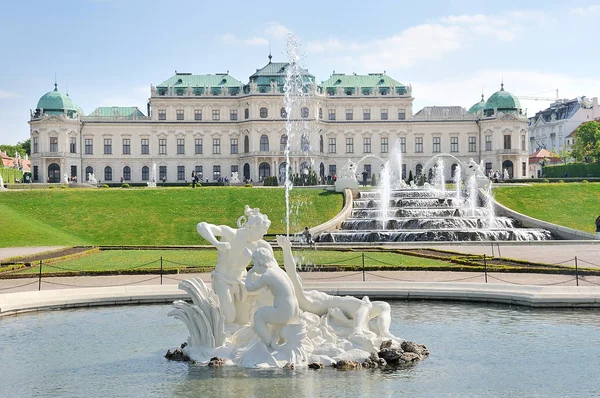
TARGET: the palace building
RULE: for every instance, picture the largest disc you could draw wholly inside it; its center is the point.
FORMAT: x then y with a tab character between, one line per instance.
216	125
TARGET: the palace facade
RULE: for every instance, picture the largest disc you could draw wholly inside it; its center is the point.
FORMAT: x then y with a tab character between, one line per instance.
216	125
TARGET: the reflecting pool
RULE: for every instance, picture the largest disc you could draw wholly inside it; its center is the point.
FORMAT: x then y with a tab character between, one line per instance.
476	350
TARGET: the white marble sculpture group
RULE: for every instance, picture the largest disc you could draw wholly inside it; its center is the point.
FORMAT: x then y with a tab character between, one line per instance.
264	317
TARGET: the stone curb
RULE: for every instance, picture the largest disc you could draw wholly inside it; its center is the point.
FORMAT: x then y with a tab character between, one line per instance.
523	295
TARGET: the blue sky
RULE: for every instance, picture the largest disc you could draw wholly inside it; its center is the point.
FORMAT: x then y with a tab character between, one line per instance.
108	52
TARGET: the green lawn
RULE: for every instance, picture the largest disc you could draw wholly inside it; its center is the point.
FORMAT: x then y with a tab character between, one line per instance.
124	260
148	216
573	205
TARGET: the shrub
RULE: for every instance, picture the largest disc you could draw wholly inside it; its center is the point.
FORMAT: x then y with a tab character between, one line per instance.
51	187
585	182
374	180
545	180
561	181
104	186
125	186
248	185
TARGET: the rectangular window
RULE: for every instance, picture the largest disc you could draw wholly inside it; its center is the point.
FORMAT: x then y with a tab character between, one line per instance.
523	144
162	114
332	145
181	173
384	114
453	144
35	144
216	114
73	145
384	145
162	146
145	146
404	171
332	170
403	144
179	114
216	172
367	145
126	146
349	114
180	146
507	141
162	173
73	173
233	114
488	168
36	173
401	114
108	146
437	144
418	144
349	145
89	146
488	142
234	169
216	146
472	144
523	169
234	146
366	114
199	172
198	146
53	144
332	114
198	114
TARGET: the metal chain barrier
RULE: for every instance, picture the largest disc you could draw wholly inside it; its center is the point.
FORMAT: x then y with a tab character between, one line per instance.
115	285
411	280
18	286
333	277
587	262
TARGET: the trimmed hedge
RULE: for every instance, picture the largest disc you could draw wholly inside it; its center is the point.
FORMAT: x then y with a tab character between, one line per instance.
582	170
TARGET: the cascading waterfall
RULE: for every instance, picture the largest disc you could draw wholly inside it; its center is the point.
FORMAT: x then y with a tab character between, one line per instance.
429	213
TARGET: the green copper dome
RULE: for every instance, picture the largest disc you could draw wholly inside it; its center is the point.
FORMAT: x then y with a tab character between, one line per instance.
477	109
55	102
501	101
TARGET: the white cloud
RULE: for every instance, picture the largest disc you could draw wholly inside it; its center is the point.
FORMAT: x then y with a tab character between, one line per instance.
7	94
585	10
277	30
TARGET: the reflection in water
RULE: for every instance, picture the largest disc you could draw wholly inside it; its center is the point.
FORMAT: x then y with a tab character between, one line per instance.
476	350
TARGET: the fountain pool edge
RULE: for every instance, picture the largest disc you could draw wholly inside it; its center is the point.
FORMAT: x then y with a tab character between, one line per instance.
522	295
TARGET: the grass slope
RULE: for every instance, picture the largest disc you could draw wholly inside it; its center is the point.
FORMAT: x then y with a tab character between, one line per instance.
573	205
148	216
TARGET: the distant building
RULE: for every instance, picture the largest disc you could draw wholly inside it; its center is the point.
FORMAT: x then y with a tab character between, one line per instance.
553	127
216	125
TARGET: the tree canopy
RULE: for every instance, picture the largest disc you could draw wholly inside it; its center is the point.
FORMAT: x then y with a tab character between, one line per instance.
23	147
586	147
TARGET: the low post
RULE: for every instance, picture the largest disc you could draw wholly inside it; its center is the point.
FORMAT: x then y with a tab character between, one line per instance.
492	248
40	277
498	244
576	272
485	267
161	270
363	265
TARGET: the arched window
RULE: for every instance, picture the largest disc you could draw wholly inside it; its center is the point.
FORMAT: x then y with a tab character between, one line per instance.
145	173
304	112
282	166
264	170
283	113
264	112
88	171
246	172
264	143
246	145
283	142
53	173
419	169
127	173
108	173
508	166
246	113
453	170
304	168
